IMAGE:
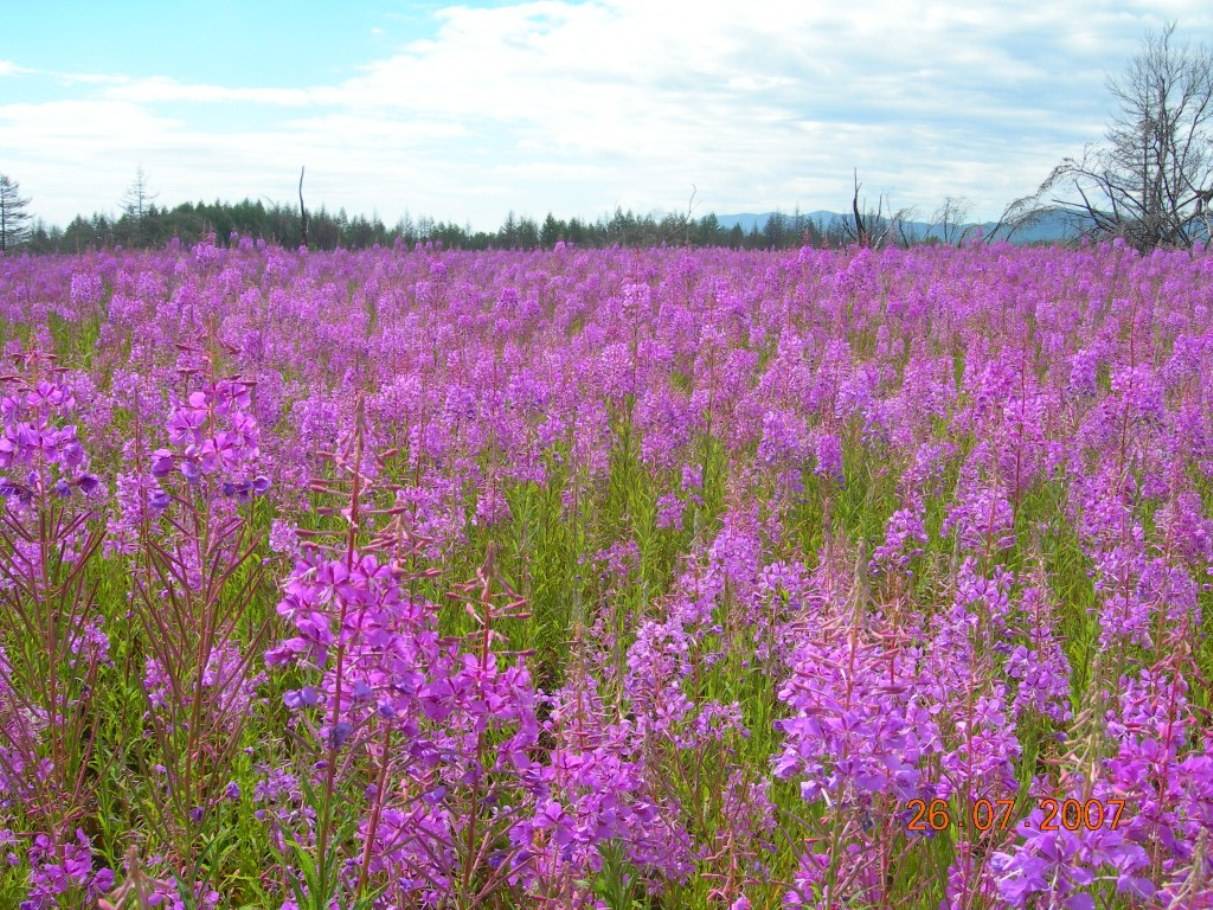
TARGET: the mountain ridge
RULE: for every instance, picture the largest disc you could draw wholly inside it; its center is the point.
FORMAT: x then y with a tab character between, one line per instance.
1051	227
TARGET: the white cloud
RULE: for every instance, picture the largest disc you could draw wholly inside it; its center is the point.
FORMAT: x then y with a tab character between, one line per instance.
577	107
161	89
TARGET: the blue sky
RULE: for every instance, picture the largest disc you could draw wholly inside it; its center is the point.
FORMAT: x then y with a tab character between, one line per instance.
466	112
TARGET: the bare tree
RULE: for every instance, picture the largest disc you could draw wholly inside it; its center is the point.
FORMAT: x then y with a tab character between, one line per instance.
137	203
1152	184
863	234
901	223
690	215
138	198
948	222
1019	214
872	227
14	220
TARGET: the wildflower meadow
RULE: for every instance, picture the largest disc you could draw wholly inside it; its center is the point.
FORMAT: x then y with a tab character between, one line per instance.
665	578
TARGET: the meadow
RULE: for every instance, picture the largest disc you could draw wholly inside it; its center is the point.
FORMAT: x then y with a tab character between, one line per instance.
606	579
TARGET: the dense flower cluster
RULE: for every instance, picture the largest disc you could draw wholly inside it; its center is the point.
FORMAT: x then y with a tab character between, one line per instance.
213	434
417	578
64	872
40	452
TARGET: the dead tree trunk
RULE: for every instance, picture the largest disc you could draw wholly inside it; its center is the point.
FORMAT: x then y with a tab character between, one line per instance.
302	210
861	230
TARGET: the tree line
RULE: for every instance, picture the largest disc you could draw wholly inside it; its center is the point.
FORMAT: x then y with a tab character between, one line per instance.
281	224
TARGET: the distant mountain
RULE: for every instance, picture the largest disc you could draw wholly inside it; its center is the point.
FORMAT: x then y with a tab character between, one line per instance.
749	220
1049	228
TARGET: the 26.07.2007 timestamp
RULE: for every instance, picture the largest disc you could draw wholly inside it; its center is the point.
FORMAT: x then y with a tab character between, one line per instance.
999	814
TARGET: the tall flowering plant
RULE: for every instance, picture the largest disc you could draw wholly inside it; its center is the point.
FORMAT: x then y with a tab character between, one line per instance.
196	581
432	737
53	647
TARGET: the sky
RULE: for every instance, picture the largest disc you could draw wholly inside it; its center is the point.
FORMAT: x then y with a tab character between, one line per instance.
466	112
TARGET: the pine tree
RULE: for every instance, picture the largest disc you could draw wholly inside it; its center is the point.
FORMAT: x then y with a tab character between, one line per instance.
14	219
550	232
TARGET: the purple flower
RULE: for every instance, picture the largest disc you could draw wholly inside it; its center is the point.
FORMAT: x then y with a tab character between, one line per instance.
307	697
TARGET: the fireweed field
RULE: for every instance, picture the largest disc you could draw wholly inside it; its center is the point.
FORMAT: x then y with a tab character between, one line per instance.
606	579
